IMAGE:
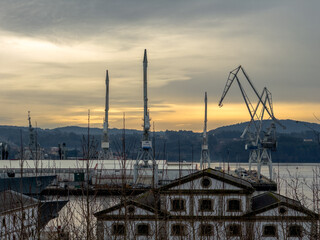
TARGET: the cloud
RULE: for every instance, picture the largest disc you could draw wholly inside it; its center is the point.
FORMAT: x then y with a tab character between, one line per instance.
82	17
54	54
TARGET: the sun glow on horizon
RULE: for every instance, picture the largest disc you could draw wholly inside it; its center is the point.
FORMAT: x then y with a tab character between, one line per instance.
173	117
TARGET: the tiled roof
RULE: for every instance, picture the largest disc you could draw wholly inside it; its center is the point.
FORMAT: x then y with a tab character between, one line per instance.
269	200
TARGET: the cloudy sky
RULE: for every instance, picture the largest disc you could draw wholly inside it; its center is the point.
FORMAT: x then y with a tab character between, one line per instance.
54	55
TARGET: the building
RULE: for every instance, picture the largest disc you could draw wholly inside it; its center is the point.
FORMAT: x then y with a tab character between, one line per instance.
207	204
18	214
23	217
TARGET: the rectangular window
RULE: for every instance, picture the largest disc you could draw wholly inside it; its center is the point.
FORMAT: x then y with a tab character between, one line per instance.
269	231
234	205
118	229
143	230
205	205
206	230
178	230
234	230
295	231
178	205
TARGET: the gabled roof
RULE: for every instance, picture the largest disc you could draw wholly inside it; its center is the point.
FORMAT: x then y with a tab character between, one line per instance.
269	200
127	203
11	201
49	210
215	174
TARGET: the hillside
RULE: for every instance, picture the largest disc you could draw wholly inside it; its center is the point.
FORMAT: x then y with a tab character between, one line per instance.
297	143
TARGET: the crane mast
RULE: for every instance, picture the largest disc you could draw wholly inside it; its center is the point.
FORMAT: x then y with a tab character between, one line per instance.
105	145
260	143
32	139
145	153
205	158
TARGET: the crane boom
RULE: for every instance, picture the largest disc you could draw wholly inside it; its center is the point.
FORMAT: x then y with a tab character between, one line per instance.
232	76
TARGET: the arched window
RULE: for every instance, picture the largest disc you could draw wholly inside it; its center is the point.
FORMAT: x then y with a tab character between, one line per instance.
234	205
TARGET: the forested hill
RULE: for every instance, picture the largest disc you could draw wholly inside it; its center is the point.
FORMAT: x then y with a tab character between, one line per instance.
297	143
292	126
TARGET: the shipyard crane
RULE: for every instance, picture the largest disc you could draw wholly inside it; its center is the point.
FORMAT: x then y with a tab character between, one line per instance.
145	153
32	140
106	152
260	143
205	158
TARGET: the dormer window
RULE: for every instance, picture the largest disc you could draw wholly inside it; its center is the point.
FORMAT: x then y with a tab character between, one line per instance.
206	182
205	205
234	205
178	205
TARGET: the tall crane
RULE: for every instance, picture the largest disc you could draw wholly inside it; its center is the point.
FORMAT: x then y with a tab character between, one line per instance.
260	143
105	145
32	139
145	154
205	158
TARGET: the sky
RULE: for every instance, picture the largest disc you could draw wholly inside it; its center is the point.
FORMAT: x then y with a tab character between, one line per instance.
54	55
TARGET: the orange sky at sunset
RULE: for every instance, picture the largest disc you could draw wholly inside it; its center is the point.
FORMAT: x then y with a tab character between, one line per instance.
54	57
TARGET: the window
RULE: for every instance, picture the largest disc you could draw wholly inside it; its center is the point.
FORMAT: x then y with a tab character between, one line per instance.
269	231
118	229
234	230
282	210
205	182
178	205
178	230
205	205
206	230
131	209
143	229
14	219
4	222
295	231
234	205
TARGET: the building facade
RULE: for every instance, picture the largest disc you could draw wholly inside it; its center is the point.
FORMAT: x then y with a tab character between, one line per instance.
208	204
